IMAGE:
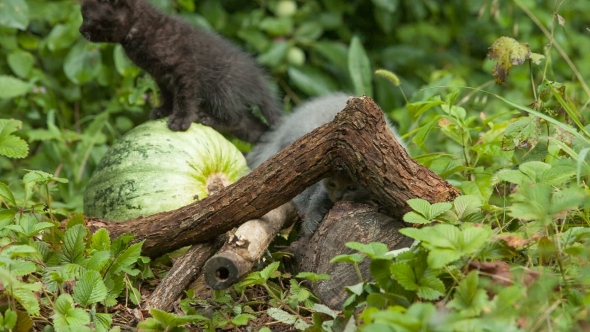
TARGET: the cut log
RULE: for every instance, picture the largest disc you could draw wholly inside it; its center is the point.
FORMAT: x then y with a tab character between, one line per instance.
346	222
357	141
245	247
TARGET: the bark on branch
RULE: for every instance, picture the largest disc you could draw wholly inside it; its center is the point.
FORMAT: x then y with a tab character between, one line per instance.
357	141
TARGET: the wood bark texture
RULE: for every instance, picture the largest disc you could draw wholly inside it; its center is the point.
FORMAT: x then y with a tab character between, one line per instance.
346	222
357	140
245	247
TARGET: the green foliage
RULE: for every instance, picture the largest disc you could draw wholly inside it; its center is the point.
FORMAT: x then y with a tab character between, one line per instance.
510	254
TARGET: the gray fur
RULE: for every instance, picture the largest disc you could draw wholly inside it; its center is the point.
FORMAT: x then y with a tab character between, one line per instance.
317	200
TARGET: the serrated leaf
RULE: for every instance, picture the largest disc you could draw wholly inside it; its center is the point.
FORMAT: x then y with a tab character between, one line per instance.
353	258
431	288
98	260
359	68
41	177
469	298
90	288
242	319
325	310
11	87
26	297
473	238
281	316
102	322
74	244
512	176
534	168
66	315
126	258
373	249
101	240
523	133
268	271
415	218
421	206
151	325
404	274
438	209
14	14
466	204
557	175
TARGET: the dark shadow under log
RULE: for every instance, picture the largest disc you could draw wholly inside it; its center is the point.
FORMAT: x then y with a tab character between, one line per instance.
358	141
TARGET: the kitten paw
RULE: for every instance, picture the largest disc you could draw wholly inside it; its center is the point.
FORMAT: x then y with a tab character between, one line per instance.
311	223
159	112
179	124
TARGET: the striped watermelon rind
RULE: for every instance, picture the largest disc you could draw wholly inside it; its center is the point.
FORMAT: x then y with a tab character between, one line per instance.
152	169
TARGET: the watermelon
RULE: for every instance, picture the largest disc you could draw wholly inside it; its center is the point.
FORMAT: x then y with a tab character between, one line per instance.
152	169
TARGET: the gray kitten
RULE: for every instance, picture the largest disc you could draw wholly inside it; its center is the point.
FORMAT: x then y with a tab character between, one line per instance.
315	202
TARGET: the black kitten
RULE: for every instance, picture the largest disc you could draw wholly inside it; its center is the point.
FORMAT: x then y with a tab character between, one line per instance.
202	77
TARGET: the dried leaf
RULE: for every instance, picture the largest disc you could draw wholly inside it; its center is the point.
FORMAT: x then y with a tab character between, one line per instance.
507	52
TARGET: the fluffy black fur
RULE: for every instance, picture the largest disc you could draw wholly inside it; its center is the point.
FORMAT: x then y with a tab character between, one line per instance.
202	76
317	200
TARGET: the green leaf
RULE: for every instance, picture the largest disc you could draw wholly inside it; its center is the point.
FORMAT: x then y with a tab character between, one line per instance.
469	298
90	288
14	14
9	320
66	315
11	87
126	258
13	147
309	31
466	205
125	67
311	81
512	176
101	240
404	274
26	297
102	322
6	194
415	218
431	288
82	64
74	244
281	316
352	259
439	208
242	319
98	260
277	26
269	271
534	168
421	206
359	67
40	177
446	243
21	63
334	52
374	250
275	55
523	133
